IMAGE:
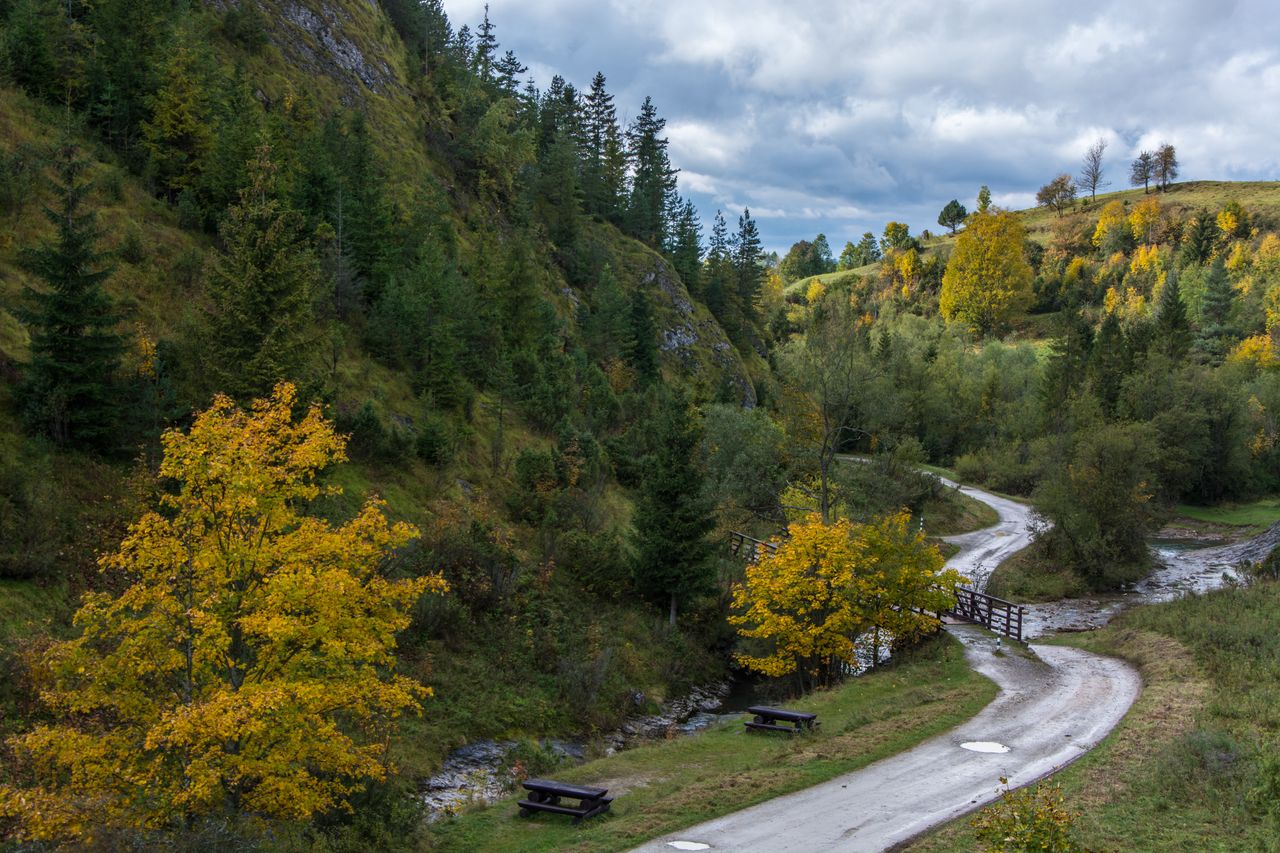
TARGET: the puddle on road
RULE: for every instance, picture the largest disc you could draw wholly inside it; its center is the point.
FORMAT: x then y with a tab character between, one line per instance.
688	845
984	746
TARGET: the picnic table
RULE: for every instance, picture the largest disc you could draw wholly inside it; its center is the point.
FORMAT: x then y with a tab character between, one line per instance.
545	795
772	719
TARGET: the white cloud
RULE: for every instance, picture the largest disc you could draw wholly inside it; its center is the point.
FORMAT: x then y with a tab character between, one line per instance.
838	115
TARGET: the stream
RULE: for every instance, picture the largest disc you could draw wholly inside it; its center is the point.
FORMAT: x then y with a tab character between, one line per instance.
485	771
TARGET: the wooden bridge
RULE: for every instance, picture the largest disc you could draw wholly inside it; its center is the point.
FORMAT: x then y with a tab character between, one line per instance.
1000	616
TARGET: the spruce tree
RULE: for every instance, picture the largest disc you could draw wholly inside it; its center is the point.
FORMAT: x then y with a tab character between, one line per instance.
643	355
69	392
674	557
718	272
1201	239
1173	332
604	159
686	248
486	47
748	268
1215	332
1108	364
653	180
261	287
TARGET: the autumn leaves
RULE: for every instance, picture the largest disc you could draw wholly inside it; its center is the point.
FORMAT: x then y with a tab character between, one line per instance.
831	587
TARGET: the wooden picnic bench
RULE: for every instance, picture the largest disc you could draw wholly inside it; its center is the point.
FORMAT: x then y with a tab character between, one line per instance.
545	796
771	719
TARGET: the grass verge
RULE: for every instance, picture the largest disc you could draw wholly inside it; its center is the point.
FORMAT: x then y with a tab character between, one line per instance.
1028	576
955	512
674	784
1194	764
1256	516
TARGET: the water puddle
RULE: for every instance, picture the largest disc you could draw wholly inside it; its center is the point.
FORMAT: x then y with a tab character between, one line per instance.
985	746
688	845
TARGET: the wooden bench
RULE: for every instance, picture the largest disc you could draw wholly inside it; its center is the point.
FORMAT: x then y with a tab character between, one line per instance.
771	719
545	796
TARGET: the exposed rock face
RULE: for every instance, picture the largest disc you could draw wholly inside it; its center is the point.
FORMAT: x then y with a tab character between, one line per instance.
326	50
683	333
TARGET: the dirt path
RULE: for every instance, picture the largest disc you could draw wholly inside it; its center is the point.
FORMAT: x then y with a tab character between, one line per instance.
1049	712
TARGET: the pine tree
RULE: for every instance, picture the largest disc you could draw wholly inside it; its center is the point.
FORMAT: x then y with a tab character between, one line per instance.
1201	239
608	329
261	288
509	70
653	181
1216	332
1173	332
673	518
69	392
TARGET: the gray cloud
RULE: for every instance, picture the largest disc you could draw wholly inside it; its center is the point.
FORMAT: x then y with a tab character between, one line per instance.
839	116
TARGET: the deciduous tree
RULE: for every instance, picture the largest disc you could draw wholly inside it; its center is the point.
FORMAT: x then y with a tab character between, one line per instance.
1142	170
988	277
248	664
1058	194
1091	168
1165	167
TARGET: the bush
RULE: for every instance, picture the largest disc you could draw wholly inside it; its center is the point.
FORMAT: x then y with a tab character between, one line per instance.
1027	820
435	440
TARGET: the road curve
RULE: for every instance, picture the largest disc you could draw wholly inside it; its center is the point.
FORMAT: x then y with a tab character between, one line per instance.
982	550
1050	710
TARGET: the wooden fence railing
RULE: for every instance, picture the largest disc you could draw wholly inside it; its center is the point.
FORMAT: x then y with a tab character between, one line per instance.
748	548
1002	617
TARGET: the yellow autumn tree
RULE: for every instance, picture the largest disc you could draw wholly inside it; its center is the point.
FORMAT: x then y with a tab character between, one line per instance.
829	587
987	278
247	666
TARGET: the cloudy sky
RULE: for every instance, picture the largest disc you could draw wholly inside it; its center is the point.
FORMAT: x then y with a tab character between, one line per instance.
836	117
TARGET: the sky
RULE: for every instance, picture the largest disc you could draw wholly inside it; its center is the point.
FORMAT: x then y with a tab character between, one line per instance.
837	117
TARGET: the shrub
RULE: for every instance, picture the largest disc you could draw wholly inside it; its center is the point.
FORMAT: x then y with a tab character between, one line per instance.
1027	819
435	440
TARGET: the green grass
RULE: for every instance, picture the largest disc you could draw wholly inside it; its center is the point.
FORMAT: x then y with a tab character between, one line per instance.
677	783
1177	773
955	512
1027	576
28	609
1256	516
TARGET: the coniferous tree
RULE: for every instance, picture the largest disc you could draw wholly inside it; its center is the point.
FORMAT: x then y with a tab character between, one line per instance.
1201	239
261	288
608	329
1173	332
653	181
177	133
1108	364
486	47
68	392
686	248
748	266
644	337
1066	369
719	272
604	155
1214	336
508	70
673	561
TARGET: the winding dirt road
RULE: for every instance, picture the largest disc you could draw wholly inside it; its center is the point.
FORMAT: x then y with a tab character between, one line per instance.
1050	710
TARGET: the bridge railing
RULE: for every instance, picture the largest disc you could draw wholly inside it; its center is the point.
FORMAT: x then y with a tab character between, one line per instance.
1002	617
749	548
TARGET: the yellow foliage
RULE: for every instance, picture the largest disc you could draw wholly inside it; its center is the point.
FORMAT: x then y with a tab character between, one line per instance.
814	293
1258	350
1112	217
772	297
827	586
1146	259
1111	301
1267	260
248	662
988	277
1142	220
1240	257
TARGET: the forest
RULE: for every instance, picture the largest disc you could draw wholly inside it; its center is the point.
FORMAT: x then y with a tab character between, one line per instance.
355	385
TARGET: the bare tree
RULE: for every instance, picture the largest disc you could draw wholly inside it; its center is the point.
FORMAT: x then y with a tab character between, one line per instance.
1142	170
1166	166
1091	170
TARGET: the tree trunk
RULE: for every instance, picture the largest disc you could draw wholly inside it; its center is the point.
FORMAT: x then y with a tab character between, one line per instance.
671	617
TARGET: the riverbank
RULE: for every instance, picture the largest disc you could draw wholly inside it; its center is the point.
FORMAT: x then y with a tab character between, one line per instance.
680	782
